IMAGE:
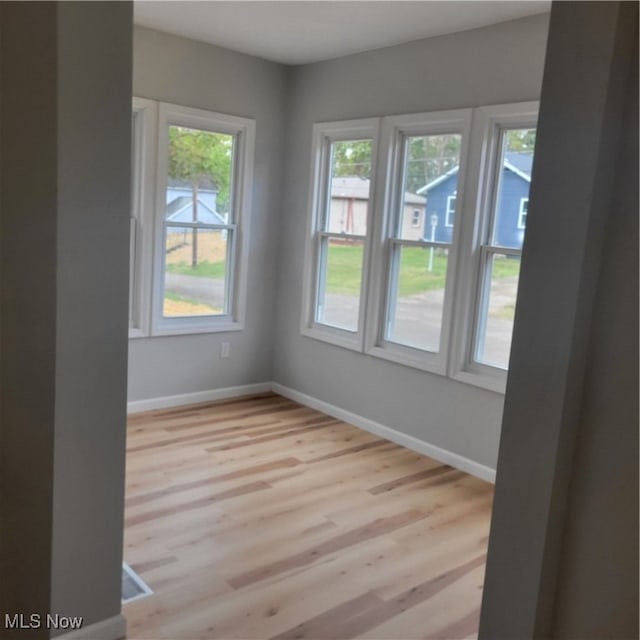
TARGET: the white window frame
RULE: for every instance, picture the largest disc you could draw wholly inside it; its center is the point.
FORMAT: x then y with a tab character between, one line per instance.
479	187
243	129
522	213
143	164
481	130
450	209
324	135
389	193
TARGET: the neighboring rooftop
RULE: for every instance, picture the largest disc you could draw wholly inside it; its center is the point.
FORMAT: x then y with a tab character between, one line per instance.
516	161
520	161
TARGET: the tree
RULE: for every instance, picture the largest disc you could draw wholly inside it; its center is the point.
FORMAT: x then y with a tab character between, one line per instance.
352	158
429	157
521	140
204	159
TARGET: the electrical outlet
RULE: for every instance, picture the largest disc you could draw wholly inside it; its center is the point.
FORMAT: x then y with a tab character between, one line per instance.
225	349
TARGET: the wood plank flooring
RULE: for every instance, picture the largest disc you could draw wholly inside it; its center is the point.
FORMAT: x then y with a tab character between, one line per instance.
260	518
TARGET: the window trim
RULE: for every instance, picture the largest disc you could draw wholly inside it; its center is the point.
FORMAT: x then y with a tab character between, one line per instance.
389	180
323	135
449	210
244	130
142	213
478	157
489	121
522	213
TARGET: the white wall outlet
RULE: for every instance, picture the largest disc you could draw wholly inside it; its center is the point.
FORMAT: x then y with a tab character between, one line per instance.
225	349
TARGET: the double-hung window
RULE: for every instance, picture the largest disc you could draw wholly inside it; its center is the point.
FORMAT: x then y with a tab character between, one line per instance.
191	176
504	145
414	243
426	156
339	232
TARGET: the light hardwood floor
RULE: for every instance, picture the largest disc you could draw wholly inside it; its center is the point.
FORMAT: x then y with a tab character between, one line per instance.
261	518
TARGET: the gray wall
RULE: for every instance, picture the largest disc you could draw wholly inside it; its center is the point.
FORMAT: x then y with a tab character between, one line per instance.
598	583
563	549
173	69
498	64
27	314
65	146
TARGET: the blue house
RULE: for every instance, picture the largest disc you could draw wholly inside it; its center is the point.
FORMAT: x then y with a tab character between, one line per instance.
512	204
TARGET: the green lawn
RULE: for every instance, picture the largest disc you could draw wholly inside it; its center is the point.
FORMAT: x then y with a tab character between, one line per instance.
343	273
344	270
204	269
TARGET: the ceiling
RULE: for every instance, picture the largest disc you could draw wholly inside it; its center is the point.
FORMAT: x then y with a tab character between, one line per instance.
299	32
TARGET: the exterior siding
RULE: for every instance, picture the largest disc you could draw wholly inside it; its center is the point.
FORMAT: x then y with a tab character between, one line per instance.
343	221
437	206
513	189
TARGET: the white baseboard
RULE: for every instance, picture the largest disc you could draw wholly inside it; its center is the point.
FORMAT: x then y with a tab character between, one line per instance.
164	402
110	629
415	444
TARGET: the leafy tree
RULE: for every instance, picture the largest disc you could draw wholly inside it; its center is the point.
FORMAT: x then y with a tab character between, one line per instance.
352	158
429	157
522	140
203	159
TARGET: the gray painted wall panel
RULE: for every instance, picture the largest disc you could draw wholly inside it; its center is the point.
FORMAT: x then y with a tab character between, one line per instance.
173	69
65	205
598	583
28	308
502	63
569	433
94	91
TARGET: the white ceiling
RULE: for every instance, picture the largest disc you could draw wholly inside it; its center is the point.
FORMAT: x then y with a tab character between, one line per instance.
298	32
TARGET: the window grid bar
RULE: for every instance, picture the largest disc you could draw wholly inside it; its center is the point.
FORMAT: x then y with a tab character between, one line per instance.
200	225
341	236
420	243
500	250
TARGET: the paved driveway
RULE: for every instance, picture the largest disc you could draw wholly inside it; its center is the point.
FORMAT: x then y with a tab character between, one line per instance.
417	321
203	290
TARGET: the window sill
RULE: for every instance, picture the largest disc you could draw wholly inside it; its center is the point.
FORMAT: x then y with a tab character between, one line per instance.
414	358
179	328
334	336
491	381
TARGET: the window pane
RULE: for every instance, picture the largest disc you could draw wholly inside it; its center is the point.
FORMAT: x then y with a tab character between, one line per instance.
339	282
196	273
512	199
430	184
498	304
417	297
350	187
200	176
